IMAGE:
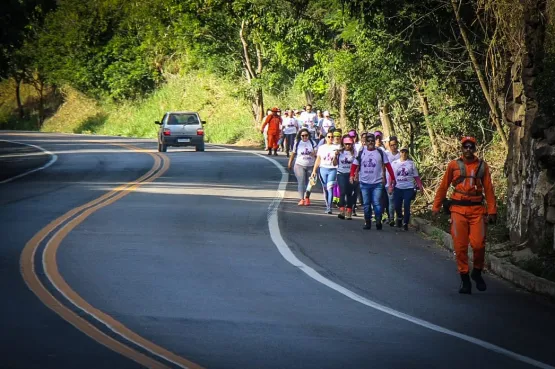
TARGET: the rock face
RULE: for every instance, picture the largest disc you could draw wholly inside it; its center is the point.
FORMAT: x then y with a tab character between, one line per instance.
530	166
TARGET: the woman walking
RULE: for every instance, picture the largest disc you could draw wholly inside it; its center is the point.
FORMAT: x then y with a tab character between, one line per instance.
346	189
407	180
303	154
328	171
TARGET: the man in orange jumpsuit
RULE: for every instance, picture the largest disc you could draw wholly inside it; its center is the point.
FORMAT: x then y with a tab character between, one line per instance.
274	129
471	179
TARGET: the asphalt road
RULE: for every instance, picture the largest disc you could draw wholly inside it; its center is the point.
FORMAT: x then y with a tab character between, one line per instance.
190	259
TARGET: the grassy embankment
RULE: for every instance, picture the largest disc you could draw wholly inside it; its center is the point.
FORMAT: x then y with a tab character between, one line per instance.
228	116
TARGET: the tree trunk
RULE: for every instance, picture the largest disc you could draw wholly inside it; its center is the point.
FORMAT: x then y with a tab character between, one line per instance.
252	75
493	108
387	125
426	112
40	90
343	106
309	97
21	113
531	189
258	106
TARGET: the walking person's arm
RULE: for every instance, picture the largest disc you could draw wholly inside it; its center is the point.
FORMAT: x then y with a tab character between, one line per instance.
316	165
443	188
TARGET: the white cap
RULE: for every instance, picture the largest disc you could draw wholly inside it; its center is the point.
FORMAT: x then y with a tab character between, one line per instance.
326	113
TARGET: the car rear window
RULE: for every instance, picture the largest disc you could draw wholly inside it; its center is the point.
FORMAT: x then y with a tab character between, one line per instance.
177	119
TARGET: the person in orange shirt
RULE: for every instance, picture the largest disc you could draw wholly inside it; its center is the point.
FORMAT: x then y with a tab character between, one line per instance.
274	129
471	180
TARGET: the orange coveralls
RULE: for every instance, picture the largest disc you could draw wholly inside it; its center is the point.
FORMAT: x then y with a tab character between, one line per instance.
468	223
274	128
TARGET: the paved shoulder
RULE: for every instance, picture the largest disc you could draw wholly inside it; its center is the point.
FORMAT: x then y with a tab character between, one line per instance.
18	158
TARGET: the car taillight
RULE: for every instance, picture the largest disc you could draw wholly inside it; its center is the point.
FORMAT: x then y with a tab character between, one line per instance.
167	132
200	132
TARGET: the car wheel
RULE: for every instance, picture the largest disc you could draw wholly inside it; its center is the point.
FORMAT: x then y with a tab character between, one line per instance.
199	147
162	147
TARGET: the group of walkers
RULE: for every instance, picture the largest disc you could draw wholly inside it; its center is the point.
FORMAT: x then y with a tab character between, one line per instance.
358	170
352	170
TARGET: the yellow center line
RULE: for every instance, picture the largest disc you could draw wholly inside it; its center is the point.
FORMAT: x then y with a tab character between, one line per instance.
53	274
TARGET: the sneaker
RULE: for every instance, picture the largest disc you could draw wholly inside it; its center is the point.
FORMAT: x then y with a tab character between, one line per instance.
391	222
367	224
306	202
341	214
349	214
328	211
466	286
301	203
354	212
476	275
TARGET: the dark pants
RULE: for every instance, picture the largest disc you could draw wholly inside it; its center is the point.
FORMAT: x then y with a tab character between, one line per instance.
402	199
346	190
384	201
289	142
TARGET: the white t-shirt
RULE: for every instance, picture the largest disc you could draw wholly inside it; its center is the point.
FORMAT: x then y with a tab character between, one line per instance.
391	157
344	161
326	154
405	171
304	153
358	147
290	126
327	123
309	120
371	166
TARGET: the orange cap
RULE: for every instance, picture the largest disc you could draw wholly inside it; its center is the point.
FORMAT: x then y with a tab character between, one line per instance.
275	109
468	139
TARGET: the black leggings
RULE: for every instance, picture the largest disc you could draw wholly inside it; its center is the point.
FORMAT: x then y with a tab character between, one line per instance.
346	190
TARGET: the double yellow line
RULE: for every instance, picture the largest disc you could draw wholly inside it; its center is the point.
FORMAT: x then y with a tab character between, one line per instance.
59	229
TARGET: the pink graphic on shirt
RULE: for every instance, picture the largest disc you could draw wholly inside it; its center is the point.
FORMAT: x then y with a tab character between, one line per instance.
306	151
403	172
371	163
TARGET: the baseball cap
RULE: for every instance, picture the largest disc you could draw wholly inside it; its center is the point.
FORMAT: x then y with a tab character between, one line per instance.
468	139
404	148
378	133
347	140
352	133
336	133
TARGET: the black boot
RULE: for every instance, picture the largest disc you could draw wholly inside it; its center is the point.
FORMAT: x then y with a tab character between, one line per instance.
466	286
406	227
270	152
476	275
275	152
367	224
379	225
399	223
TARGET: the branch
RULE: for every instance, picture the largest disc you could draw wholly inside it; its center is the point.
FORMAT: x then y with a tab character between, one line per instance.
246	58
258	60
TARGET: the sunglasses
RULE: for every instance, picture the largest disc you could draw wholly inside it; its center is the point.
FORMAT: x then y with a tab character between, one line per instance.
469	147
329	136
347	144
304	135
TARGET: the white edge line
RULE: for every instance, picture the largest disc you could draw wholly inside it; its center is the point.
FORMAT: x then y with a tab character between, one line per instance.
53	159
285	251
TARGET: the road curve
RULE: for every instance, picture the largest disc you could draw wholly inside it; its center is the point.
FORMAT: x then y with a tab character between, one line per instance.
171	260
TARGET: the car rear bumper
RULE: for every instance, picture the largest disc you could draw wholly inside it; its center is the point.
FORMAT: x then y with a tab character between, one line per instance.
183	140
